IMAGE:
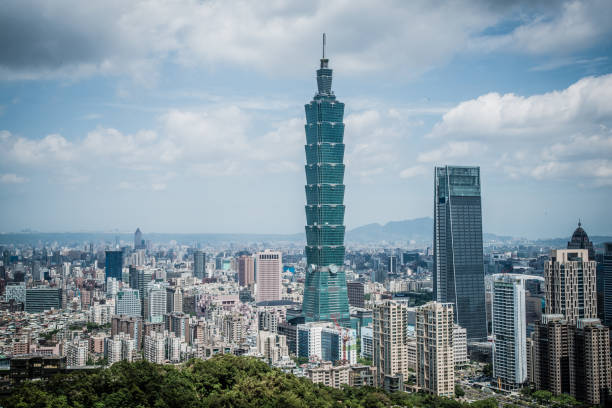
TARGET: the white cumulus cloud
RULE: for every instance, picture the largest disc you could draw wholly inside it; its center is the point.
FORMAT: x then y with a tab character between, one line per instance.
563	134
584	103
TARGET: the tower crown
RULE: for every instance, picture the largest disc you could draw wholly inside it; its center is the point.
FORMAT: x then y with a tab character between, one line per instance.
324	74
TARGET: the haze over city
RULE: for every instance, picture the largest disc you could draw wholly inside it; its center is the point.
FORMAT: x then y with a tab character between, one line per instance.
189	116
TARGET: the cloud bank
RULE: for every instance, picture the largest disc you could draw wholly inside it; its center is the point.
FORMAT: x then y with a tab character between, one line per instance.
562	134
71	40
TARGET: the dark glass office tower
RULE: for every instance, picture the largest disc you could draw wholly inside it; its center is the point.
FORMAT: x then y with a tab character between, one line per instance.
199	264
458	275
604	285
113	264
325	294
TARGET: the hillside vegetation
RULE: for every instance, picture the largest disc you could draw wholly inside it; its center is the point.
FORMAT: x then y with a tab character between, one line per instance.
222	381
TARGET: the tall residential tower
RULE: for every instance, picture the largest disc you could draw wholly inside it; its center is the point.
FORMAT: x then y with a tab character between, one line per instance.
458	276
509	331
325	294
570	284
435	354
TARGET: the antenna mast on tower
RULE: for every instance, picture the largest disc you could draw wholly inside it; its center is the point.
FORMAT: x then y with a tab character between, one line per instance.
323	45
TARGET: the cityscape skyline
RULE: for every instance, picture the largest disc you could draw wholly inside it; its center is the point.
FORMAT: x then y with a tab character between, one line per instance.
116	127
152	116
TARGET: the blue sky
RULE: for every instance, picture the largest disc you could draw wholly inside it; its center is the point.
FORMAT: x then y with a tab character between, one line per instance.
188	116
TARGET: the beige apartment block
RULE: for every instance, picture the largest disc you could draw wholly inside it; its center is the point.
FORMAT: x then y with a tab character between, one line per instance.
570	285
390	338
435	350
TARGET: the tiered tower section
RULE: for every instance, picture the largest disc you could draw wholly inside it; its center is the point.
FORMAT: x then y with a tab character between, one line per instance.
325	294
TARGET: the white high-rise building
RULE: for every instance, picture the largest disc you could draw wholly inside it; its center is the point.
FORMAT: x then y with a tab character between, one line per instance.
112	286
138	258
155	302
367	347
77	352
128	302
101	314
435	354
120	347
233	328
411	347
174	348
154	349
65	270
112	349
509	331
174	299
268	268
460	345
325	341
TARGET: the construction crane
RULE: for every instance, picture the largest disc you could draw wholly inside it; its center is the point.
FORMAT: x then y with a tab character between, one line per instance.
345	338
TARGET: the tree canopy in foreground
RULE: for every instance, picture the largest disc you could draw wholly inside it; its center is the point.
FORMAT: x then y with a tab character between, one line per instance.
222	381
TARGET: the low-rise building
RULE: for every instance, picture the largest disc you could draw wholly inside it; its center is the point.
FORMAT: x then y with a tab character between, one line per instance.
272	346
328	374
77	352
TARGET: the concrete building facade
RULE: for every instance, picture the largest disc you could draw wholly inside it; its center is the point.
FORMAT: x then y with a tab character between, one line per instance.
509	331
571	284
390	338
269	265
435	352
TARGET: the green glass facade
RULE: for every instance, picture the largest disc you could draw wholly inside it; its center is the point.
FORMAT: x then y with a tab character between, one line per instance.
325	294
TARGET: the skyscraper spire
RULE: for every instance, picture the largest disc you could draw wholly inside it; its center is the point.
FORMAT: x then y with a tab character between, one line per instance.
323	45
324	60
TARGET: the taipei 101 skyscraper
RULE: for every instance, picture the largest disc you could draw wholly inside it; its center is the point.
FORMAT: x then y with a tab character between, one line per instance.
325	295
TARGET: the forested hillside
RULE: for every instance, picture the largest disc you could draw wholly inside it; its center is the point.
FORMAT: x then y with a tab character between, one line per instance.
223	381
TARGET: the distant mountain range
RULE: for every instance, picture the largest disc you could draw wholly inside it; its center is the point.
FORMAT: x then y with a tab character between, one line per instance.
417	231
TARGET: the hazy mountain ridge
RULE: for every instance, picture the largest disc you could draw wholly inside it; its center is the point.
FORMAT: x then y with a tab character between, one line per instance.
419	230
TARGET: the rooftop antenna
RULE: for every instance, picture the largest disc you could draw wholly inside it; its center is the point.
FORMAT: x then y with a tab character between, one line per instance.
323	45
324	60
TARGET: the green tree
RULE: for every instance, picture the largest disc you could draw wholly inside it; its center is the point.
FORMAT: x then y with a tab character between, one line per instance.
542	396
300	360
364	361
486	403
459	391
